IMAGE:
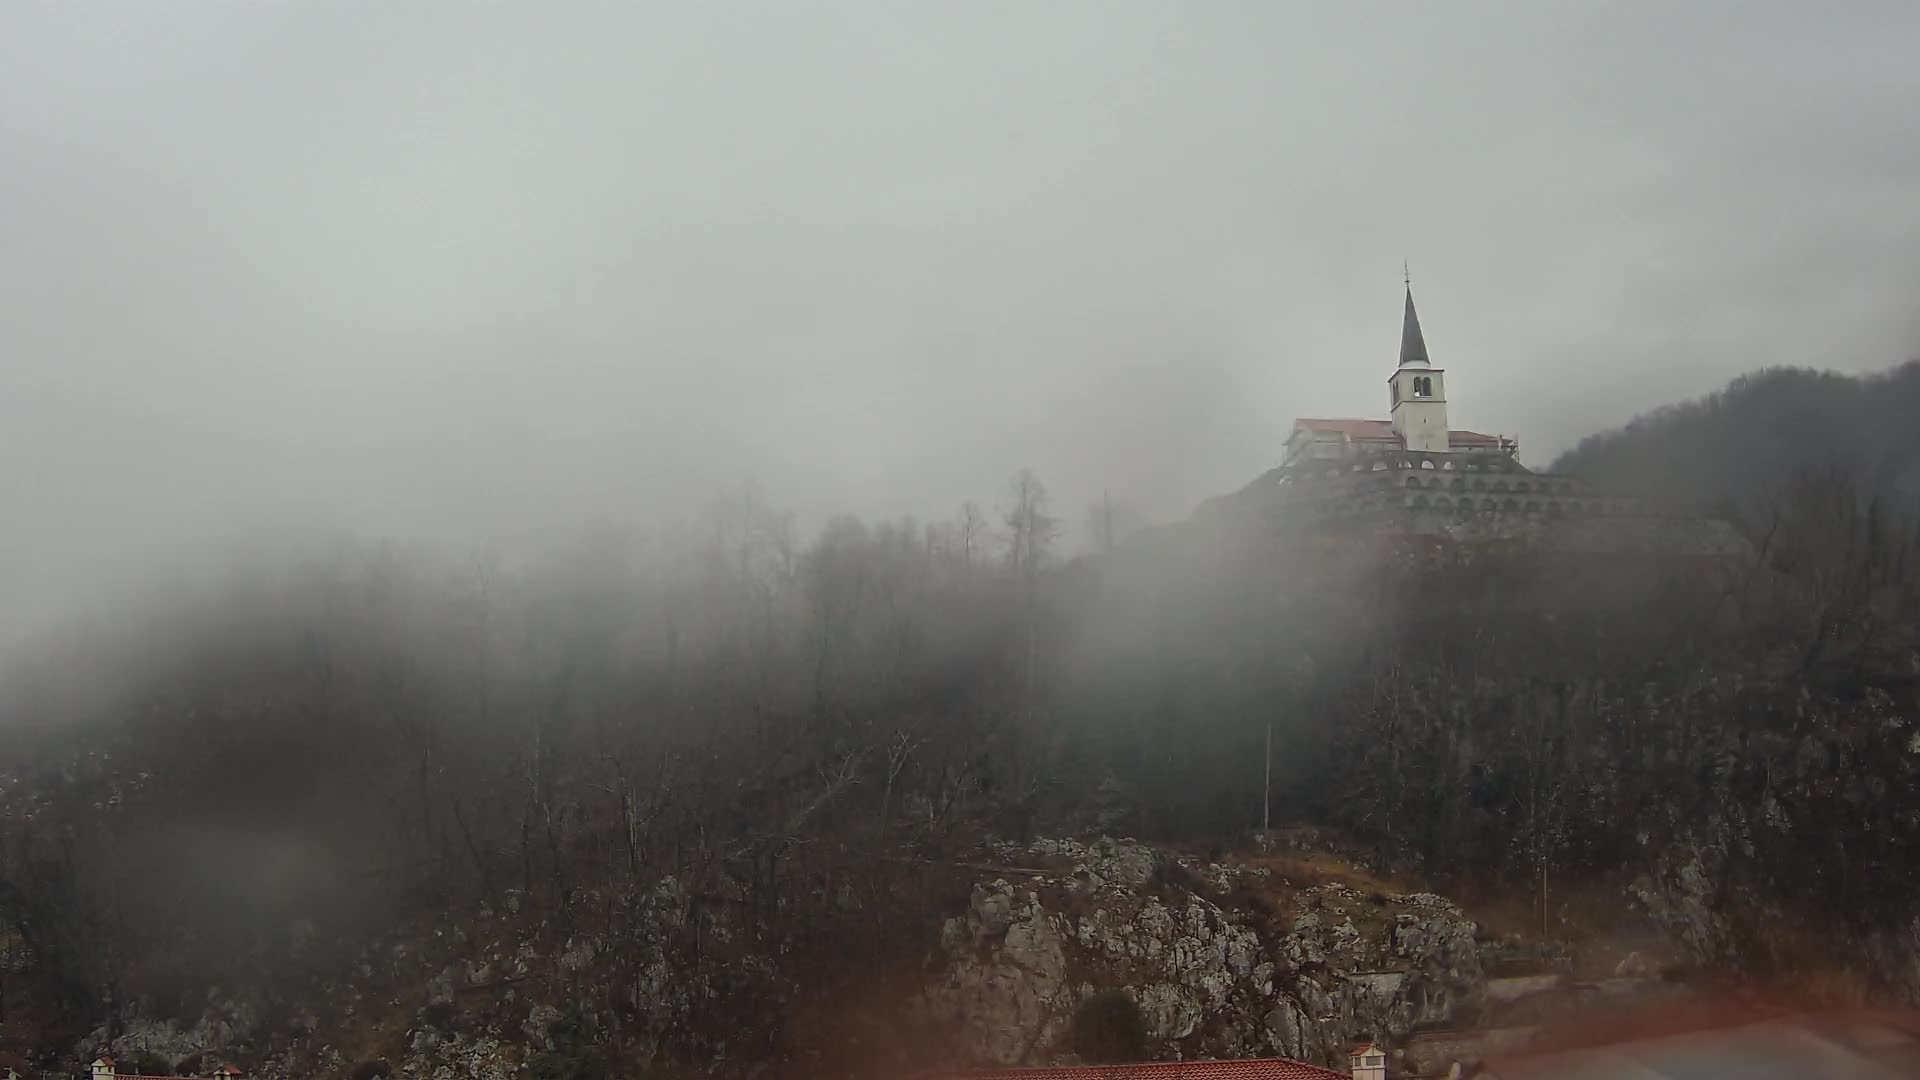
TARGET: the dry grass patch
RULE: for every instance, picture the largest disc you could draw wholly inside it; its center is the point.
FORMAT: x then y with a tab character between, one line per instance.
1305	869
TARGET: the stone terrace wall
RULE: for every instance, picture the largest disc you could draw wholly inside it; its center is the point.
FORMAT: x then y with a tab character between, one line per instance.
1451	483
1622	534
1482	498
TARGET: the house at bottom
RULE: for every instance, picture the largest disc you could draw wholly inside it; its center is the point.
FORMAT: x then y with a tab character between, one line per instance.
1366	1062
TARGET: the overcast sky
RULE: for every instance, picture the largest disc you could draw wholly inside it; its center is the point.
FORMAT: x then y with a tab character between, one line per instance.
485	271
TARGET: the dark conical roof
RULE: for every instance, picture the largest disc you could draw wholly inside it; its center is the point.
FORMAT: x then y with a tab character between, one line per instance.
1413	346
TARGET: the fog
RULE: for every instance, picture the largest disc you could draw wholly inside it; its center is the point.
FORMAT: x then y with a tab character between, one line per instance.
485	274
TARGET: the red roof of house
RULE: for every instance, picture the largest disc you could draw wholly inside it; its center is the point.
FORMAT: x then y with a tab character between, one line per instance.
1370	430
1248	1069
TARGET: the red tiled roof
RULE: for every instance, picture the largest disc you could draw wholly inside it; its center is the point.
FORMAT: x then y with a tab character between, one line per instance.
1348	426
1249	1069
1356	429
1456	437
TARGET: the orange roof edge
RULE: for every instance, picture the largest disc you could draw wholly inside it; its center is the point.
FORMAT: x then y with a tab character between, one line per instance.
1242	1069
1354	427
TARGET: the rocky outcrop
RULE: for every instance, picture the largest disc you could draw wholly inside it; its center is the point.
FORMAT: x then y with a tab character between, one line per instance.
225	1023
1222	960
1680	895
438	1055
1210	980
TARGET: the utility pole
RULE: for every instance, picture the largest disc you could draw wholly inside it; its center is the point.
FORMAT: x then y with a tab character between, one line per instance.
1545	928
1266	786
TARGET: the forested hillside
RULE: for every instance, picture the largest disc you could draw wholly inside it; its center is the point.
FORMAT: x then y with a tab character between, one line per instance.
288	778
1738	450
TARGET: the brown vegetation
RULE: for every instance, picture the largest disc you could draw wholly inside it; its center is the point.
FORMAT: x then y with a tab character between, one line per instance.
808	741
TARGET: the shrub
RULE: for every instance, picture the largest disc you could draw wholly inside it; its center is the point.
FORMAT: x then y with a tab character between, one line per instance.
584	1065
1251	900
1170	875
1109	1030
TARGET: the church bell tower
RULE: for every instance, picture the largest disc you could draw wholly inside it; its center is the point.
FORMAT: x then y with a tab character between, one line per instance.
1419	390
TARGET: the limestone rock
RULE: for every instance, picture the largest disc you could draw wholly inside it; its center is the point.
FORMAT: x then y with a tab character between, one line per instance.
993	906
1208	981
1680	895
440	988
539	1025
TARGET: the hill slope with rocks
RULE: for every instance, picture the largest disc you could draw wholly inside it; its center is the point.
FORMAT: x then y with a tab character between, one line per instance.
1222	959
737	802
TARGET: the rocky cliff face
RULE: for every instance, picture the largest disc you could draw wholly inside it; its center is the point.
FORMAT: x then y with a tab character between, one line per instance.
1222	960
1792	858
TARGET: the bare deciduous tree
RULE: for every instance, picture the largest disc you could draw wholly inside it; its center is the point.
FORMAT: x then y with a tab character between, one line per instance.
1031	530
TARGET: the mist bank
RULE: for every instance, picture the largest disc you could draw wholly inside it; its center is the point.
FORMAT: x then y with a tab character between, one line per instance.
244	773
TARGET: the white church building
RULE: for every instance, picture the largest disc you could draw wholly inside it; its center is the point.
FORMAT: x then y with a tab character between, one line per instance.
1416	461
1415	474
1417	414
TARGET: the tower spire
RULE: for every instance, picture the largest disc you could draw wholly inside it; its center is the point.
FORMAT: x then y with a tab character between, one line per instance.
1419	391
1413	345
